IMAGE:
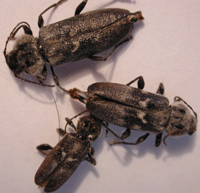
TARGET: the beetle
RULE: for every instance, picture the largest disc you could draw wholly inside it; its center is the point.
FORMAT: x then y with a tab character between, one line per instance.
61	162
136	109
69	40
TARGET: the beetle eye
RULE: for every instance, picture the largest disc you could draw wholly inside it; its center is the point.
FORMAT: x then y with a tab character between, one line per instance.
191	132
93	130
86	125
182	111
180	127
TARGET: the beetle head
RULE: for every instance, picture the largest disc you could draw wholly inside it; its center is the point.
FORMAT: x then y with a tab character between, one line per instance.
25	57
89	128
183	119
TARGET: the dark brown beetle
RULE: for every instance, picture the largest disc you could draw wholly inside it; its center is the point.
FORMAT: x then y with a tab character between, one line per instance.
72	39
61	162
136	109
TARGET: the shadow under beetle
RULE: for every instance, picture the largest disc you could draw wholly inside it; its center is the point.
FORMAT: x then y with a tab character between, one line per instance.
61	162
134	108
69	40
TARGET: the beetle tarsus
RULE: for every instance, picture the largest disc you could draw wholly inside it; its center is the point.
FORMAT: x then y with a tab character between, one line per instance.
158	139
125	134
160	89
43	148
61	131
140	140
140	82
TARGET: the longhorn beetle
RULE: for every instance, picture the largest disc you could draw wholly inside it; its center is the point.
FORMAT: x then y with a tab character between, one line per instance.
69	40
134	108
65	157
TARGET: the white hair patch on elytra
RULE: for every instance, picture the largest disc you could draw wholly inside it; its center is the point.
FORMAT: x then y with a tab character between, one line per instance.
141	116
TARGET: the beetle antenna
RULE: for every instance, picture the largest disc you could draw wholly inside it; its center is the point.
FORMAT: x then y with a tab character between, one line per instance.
69	121
168	136
38	83
172	133
177	98
56	107
26	27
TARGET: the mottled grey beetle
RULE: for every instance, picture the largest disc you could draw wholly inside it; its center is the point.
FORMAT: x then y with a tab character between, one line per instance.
134	108
61	162
72	39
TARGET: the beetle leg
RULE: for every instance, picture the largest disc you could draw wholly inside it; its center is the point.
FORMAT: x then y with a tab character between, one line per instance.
41	78
80	7
56	80
140	82
125	134
140	140
40	18
106	133
70	122
90	157
160	89
78	10
101	58
61	132
108	129
18	76
44	147
158	139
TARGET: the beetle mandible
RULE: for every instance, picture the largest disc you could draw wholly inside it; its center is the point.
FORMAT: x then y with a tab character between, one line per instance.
61	162
69	40
134	108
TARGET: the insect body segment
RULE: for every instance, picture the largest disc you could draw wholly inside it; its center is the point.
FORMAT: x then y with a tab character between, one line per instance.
136	109
66	156
69	40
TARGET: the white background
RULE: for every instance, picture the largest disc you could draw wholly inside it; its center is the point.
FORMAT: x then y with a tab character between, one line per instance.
165	48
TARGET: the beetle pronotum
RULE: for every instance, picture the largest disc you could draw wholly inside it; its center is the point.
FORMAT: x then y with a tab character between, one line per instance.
69	40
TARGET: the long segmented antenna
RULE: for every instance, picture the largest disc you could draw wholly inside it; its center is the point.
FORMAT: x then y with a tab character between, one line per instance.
177	98
174	132
38	83
69	121
56	108
27	30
